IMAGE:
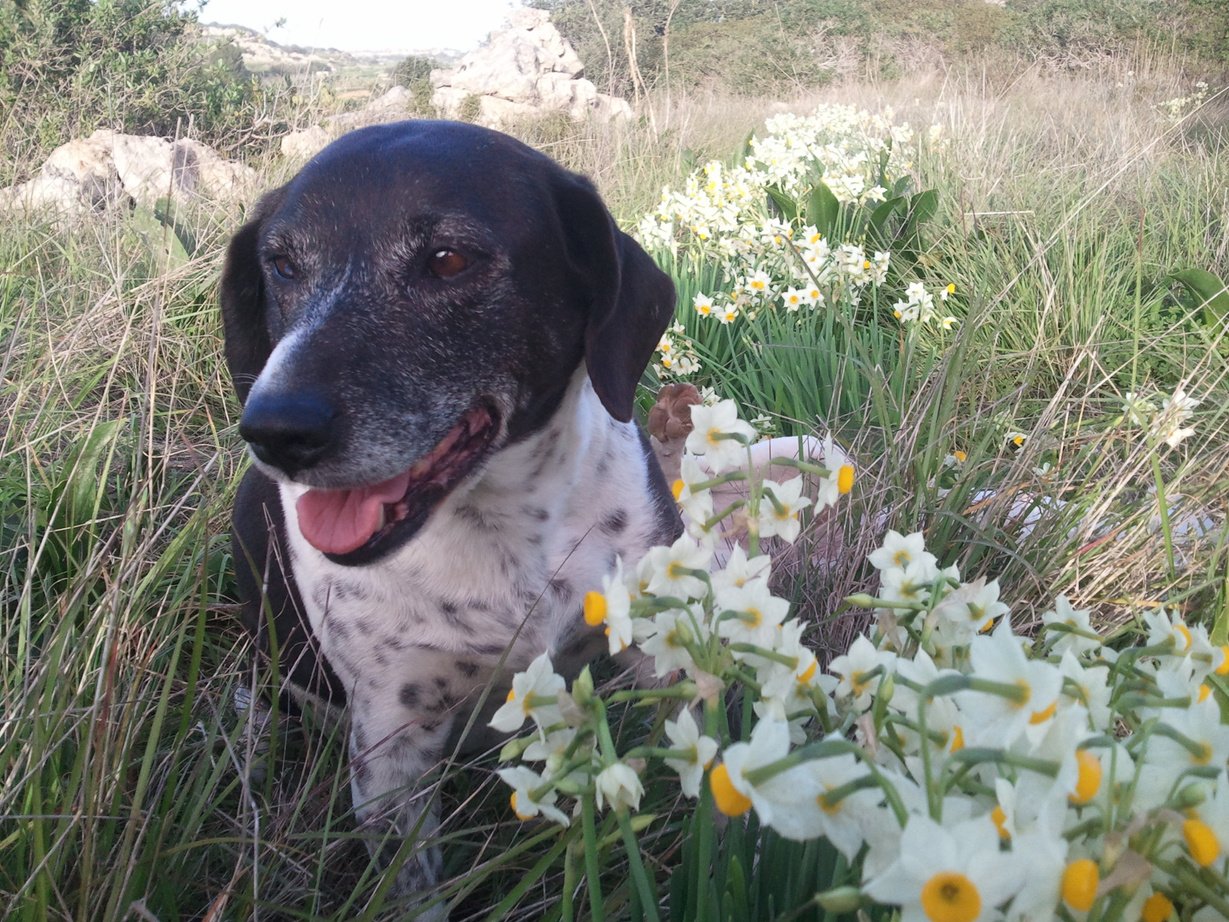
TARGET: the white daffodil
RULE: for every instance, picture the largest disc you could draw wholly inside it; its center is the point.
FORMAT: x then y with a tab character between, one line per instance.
685	735
618	786
534	693
671	571
947	873
697	505
1168	423
860	671
1088	685
740	570
898	551
719	436
780	507
673	631
525	781
1030	689
751	614
1079	636
820	798
970	609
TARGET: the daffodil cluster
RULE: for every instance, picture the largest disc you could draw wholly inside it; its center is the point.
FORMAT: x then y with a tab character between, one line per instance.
1166	423
753	227
689	619
965	772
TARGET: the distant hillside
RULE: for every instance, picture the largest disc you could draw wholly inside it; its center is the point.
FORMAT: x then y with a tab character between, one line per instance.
262	55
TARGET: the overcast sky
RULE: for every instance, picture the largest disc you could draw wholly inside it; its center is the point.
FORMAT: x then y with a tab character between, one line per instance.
365	25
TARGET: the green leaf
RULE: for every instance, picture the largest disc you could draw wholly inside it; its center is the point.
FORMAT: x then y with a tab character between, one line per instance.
1211	292
884	211
786	206
823	210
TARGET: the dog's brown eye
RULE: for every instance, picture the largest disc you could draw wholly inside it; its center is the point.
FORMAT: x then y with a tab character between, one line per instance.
283	267
446	263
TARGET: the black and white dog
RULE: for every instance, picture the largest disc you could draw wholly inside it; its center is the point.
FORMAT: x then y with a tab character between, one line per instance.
437	334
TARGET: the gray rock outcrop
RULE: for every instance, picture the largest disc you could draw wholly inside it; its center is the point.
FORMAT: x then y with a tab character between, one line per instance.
527	69
89	174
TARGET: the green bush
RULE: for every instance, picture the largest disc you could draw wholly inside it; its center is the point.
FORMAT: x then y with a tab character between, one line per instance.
414	73
68	67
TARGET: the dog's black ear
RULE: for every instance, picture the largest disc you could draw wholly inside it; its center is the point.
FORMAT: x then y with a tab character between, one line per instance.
631	301
242	298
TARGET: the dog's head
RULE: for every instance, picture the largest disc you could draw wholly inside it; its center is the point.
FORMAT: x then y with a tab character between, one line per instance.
418	296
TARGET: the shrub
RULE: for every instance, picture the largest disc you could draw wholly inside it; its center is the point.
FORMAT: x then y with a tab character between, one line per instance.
68	67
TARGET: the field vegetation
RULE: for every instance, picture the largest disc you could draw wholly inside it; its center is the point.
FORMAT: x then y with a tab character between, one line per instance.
1074	193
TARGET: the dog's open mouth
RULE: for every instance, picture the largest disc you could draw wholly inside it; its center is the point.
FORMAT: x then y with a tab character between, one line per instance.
356	525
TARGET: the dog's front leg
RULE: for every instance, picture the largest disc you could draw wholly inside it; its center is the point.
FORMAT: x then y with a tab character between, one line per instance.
398	733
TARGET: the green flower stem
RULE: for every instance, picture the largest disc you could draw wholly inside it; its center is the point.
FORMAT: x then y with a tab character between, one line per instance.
703	820
834	796
593	869
729	436
717	481
1196	883
947	685
826	749
863	600
1200	751
939	739
979	755
806	467
777	505
685	690
657	752
640	877
1163	509
729	510
783	658
934	797
567	912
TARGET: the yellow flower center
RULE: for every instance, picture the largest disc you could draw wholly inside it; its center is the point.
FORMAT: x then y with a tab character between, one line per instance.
1186	635
951	290
677	488
960	456
844	478
1040	717
1080	881
519	815
949	896
807	674
1200	841
1203	693
511	695
826	803
1017	440
729	800
594	608
1028	693
957	739
1223	668
1157	908
901	558
755	617
999	815
1204	756
1088	777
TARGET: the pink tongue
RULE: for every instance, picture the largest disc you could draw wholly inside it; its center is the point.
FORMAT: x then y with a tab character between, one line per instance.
340	521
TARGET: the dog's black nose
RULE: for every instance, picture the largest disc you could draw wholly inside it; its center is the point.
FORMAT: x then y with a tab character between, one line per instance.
289	431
